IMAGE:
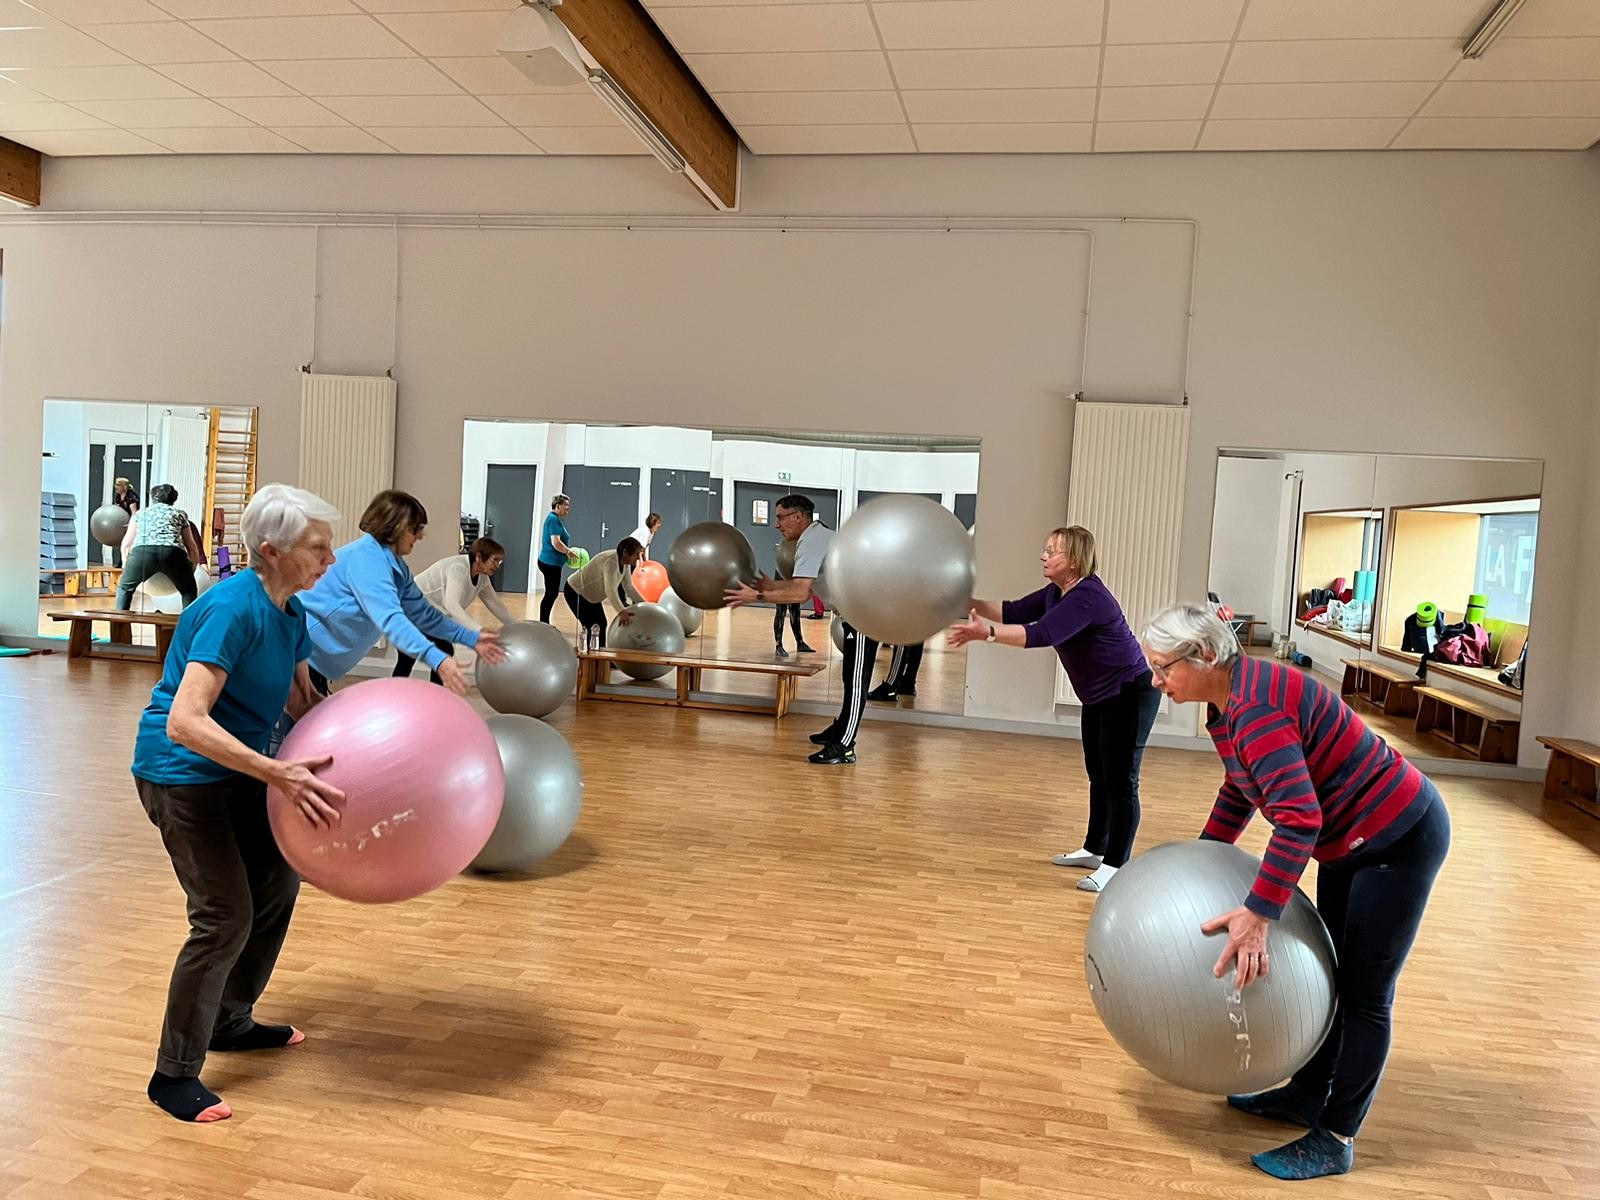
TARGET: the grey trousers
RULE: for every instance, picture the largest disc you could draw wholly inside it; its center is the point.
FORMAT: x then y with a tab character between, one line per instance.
241	895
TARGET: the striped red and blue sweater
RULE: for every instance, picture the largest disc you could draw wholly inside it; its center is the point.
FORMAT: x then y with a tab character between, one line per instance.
1328	784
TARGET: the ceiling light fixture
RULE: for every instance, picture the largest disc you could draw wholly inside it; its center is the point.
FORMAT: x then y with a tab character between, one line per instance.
1493	26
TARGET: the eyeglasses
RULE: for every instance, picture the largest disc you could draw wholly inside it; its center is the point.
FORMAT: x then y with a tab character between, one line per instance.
1160	670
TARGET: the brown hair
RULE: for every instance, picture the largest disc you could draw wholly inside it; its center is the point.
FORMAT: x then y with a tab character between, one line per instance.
629	547
1078	544
391	514
485	548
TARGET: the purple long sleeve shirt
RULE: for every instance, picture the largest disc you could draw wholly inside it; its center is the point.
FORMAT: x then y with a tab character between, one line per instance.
1088	631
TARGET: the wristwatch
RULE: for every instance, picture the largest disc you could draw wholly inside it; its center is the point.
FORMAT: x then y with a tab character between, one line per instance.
993	632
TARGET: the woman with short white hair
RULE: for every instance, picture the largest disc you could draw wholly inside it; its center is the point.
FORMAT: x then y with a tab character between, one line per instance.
238	659
1332	791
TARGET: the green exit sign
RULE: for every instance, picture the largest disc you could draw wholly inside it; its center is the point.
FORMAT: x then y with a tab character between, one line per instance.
784	477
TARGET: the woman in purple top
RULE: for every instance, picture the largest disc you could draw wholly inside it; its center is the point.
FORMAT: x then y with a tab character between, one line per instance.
1077	615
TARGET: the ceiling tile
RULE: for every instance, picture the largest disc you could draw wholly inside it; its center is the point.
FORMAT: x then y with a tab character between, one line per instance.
199	10
1155	103
394	6
578	108
416	112
1503	133
1015	104
161	42
363	77
1535	58
131	82
1145	135
14	14
67	143
829	139
1556	18
837	71
86	12
248	140
968	24
235	78
499	140
494	76
11	90
1185	63
1571	99
334	139
1339	134
1164	21
811	108
456	34
602	139
1342	61
306	37
1003	139
57	46
274	111
23	118
744	28
193	113
1319	99
1047	67
1286	20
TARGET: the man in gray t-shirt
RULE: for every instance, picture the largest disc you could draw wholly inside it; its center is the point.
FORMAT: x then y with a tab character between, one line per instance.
795	518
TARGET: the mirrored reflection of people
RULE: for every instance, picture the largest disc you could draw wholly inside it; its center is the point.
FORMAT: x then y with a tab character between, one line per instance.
159	542
646	534
555	544
125	498
902	677
451	585
789	612
607	578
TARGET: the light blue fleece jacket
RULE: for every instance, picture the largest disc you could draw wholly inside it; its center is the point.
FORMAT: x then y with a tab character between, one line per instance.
368	593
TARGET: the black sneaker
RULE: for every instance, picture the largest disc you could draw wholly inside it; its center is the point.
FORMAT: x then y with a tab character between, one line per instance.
823	738
802	648
780	652
907	691
816	616
832	755
884	693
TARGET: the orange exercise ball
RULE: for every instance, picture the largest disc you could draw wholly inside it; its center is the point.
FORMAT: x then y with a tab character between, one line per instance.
650	580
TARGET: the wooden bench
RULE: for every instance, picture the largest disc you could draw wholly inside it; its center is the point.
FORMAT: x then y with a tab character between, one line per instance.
1488	734
81	643
1571	773
78	579
594	670
1386	689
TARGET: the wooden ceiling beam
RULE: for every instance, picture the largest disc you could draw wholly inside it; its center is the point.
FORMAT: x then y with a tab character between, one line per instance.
622	38
19	172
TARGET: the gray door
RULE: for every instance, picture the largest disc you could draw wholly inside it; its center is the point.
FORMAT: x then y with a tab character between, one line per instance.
605	505
508	505
967	509
683	498
754	516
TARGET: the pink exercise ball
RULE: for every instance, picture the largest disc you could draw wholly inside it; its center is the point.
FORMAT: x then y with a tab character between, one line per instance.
423	787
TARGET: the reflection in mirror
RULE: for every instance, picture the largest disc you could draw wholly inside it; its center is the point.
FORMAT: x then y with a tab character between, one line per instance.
120	460
619	477
1405	580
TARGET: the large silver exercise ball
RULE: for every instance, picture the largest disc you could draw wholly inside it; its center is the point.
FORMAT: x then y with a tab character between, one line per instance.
1149	970
645	627
688	616
162	594
544	794
706	560
901	569
836	632
539	672
108	524
786	549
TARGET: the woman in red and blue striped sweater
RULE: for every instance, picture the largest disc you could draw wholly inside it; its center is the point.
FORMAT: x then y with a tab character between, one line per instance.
1334	791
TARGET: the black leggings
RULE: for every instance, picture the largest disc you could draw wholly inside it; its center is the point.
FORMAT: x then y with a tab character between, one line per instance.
147	561
551	573
1372	908
792	611
1115	731
590	614
404	662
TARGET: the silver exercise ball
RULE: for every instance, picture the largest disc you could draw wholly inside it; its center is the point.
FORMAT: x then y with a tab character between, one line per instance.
1149	970
688	616
162	594
836	632
539	672
706	560
544	794
786	549
645	627
108	524
901	569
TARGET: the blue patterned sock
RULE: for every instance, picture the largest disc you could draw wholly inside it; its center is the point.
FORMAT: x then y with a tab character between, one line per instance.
1317	1154
1280	1104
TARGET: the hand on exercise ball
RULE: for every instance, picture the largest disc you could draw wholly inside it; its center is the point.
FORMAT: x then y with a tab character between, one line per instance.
451	676
973	629
490	648
318	800
1247	945
746	593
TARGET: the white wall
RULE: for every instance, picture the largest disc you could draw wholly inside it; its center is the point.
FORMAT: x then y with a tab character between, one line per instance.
1245	534
506	443
1345	302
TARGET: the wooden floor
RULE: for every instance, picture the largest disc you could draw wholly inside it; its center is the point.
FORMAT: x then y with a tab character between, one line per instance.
743	977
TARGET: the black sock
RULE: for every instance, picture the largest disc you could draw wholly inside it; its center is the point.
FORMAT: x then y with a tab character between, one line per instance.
257	1037
185	1097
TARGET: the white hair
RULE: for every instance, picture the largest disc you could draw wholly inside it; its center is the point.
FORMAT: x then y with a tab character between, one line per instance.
279	514
1193	631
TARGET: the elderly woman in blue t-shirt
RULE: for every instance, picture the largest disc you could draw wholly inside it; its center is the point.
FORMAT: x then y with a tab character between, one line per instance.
1077	615
238	659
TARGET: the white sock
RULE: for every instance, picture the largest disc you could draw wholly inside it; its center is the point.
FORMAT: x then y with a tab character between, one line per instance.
1098	879
1078	858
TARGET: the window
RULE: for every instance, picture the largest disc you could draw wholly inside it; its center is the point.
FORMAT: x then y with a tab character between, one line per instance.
1504	572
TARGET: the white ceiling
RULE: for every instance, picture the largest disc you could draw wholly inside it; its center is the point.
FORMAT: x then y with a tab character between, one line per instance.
808	76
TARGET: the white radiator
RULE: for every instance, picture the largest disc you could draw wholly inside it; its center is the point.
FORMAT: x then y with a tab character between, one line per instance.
1126	487
346	442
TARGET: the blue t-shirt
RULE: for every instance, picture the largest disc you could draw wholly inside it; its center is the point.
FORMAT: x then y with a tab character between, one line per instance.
553	528
236	626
